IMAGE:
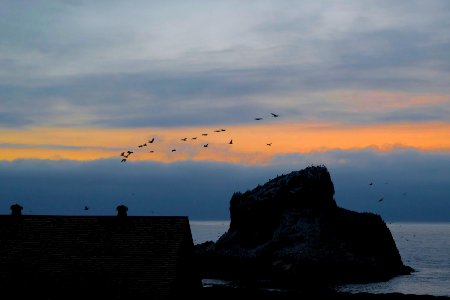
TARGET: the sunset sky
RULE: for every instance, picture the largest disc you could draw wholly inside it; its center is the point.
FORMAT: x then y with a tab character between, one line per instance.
361	86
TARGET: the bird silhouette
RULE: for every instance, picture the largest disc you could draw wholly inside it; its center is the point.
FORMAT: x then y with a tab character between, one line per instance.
173	150
371	183
122	154
204	134
274	115
222	129
269	144
129	152
217	130
86	208
151	151
381	199
194	138
257	119
140	146
152	140
123	160
184	139
205	145
231	142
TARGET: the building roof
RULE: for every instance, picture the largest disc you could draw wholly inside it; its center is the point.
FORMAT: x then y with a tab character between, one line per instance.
67	257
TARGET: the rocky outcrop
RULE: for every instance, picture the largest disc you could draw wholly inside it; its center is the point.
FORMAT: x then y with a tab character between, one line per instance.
290	231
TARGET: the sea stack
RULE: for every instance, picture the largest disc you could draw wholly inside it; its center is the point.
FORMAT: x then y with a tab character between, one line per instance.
291	232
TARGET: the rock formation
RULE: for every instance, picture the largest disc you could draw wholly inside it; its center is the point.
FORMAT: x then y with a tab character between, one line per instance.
290	231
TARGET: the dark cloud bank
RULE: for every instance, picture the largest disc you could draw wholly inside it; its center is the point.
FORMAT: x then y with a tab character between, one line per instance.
413	185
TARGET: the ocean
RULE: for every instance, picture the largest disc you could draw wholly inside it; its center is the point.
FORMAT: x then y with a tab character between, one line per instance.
423	246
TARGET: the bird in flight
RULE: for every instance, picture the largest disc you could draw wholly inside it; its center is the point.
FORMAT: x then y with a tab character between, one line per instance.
269	144
204	134
205	145
381	199
274	115
184	139
371	183
152	140
86	208
173	150
231	142
222	129
194	138
217	130
151	151
257	119
123	160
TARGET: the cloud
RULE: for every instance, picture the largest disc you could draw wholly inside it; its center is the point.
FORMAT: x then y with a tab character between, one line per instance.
414	184
184	63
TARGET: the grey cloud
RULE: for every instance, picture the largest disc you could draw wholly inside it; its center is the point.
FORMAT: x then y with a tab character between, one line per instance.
202	98
93	71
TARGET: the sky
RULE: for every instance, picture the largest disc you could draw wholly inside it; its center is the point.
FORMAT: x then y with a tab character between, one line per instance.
360	86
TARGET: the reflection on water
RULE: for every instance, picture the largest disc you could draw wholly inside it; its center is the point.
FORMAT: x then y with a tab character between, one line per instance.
203	231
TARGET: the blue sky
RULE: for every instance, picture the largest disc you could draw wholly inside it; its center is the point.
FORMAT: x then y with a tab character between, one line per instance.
360	86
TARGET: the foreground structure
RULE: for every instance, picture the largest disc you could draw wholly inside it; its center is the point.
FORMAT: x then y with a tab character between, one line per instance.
95	257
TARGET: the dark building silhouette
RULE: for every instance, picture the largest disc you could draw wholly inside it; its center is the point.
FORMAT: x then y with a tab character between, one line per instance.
96	257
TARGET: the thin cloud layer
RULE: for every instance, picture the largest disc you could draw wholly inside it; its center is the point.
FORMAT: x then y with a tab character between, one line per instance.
414	184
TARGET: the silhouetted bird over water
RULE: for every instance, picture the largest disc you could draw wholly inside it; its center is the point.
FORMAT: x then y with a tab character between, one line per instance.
152	140
86	208
257	119
269	144
231	142
274	115
123	160
205	145
381	199
173	150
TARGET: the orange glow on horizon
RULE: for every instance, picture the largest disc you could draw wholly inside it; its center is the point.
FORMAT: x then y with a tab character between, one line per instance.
249	141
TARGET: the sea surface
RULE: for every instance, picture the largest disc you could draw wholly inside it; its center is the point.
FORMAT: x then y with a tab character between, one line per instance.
423	246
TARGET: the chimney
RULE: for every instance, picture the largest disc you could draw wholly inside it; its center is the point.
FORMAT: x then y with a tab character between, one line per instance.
122	211
16	210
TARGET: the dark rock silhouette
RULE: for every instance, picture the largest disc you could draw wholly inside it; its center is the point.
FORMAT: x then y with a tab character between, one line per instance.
290	232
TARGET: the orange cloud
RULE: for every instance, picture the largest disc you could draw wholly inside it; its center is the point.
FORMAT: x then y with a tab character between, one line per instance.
249	141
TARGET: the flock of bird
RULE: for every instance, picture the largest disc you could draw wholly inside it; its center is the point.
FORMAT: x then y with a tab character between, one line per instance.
126	154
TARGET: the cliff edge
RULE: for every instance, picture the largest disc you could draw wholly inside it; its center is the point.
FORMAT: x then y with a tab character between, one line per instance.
290	232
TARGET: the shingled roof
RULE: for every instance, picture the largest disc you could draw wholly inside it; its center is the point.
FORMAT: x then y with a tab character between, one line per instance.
88	257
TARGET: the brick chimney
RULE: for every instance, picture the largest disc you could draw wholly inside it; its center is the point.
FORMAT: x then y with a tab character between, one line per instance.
122	211
16	210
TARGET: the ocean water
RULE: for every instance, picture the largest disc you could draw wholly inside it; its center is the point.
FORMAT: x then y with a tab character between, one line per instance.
422	246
